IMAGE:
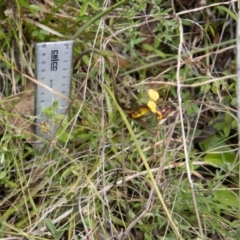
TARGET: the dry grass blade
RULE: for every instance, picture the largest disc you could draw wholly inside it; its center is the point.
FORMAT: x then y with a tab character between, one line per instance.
186	154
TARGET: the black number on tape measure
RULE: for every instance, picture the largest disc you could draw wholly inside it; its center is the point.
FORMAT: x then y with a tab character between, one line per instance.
54	60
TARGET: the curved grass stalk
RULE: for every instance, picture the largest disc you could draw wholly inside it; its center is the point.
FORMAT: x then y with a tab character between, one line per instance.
101	14
144	159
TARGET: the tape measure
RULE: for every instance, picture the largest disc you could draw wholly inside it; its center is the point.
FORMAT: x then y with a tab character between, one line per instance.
54	69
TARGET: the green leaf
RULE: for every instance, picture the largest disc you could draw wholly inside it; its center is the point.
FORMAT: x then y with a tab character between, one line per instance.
226	197
235	124
220	159
83	8
211	142
148	47
156	43
3	174
50	226
44	32
35	7
210	28
214	88
167	37
94	5
205	88
160	53
223	127
138	40
24	3
50	111
234	101
228	11
218	152
35	33
226	125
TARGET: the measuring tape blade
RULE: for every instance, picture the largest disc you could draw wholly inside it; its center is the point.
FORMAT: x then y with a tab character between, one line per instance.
54	69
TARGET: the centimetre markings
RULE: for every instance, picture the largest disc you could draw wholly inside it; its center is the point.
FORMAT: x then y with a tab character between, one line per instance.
54	69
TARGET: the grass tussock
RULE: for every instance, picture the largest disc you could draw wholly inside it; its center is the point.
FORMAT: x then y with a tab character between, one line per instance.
170	173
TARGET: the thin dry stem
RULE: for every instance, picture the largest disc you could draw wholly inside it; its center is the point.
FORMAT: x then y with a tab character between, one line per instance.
183	128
